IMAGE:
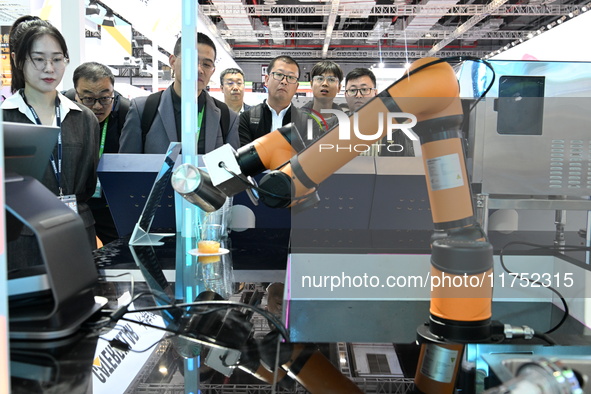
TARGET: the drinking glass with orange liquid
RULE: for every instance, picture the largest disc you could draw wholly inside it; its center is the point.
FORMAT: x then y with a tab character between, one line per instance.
210	238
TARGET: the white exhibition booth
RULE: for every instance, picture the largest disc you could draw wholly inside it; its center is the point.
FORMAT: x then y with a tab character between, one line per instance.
158	20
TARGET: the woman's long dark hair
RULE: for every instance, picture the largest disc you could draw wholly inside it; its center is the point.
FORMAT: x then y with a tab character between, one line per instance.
23	34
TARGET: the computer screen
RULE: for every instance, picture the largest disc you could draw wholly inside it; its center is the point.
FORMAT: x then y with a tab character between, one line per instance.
28	147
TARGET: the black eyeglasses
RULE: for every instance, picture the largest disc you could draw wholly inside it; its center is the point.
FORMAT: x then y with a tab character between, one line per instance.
90	101
279	77
321	78
364	91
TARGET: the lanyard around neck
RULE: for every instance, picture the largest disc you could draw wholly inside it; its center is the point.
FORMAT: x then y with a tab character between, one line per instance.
199	120
57	165
103	137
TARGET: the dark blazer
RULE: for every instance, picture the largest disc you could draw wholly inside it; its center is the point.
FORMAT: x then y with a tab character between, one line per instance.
163	129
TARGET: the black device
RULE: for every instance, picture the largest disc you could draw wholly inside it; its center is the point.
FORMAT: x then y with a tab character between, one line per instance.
27	148
53	298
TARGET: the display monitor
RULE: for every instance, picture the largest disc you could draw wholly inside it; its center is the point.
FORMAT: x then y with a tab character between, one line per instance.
47	300
27	148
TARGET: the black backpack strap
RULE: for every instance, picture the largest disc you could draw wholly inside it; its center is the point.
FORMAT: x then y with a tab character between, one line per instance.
150	110
225	118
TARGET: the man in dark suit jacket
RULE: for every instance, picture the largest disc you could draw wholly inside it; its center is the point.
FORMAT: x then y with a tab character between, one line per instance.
94	87
166	124
232	84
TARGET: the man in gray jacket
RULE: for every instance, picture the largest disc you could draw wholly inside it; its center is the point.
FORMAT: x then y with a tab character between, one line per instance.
153	131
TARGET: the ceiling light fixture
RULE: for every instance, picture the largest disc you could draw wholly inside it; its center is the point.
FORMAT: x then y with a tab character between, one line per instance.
92	8
109	19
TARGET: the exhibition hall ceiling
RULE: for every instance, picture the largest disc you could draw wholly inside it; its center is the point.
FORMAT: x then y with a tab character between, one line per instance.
394	31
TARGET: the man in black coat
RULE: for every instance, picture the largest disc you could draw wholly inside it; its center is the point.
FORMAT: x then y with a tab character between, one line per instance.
94	87
277	110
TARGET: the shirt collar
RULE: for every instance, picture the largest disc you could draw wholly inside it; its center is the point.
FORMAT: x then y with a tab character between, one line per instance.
67	104
281	113
16	102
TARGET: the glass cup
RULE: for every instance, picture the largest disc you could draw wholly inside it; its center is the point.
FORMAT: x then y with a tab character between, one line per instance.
217	274
222	217
210	238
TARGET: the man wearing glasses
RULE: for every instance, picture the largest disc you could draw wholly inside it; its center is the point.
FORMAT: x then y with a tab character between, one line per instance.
326	78
94	87
232	83
276	110
360	87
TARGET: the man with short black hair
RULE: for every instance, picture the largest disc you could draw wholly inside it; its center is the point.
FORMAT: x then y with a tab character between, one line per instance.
217	125
232	84
94	87
360	87
325	79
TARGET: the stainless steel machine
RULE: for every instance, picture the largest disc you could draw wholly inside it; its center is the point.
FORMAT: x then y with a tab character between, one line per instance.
529	144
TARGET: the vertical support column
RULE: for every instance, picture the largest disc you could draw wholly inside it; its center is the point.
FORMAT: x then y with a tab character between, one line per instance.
560	223
588	237
4	343
72	27
187	211
155	63
482	211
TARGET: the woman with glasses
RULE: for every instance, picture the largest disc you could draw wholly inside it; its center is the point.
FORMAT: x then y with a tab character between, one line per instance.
38	59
